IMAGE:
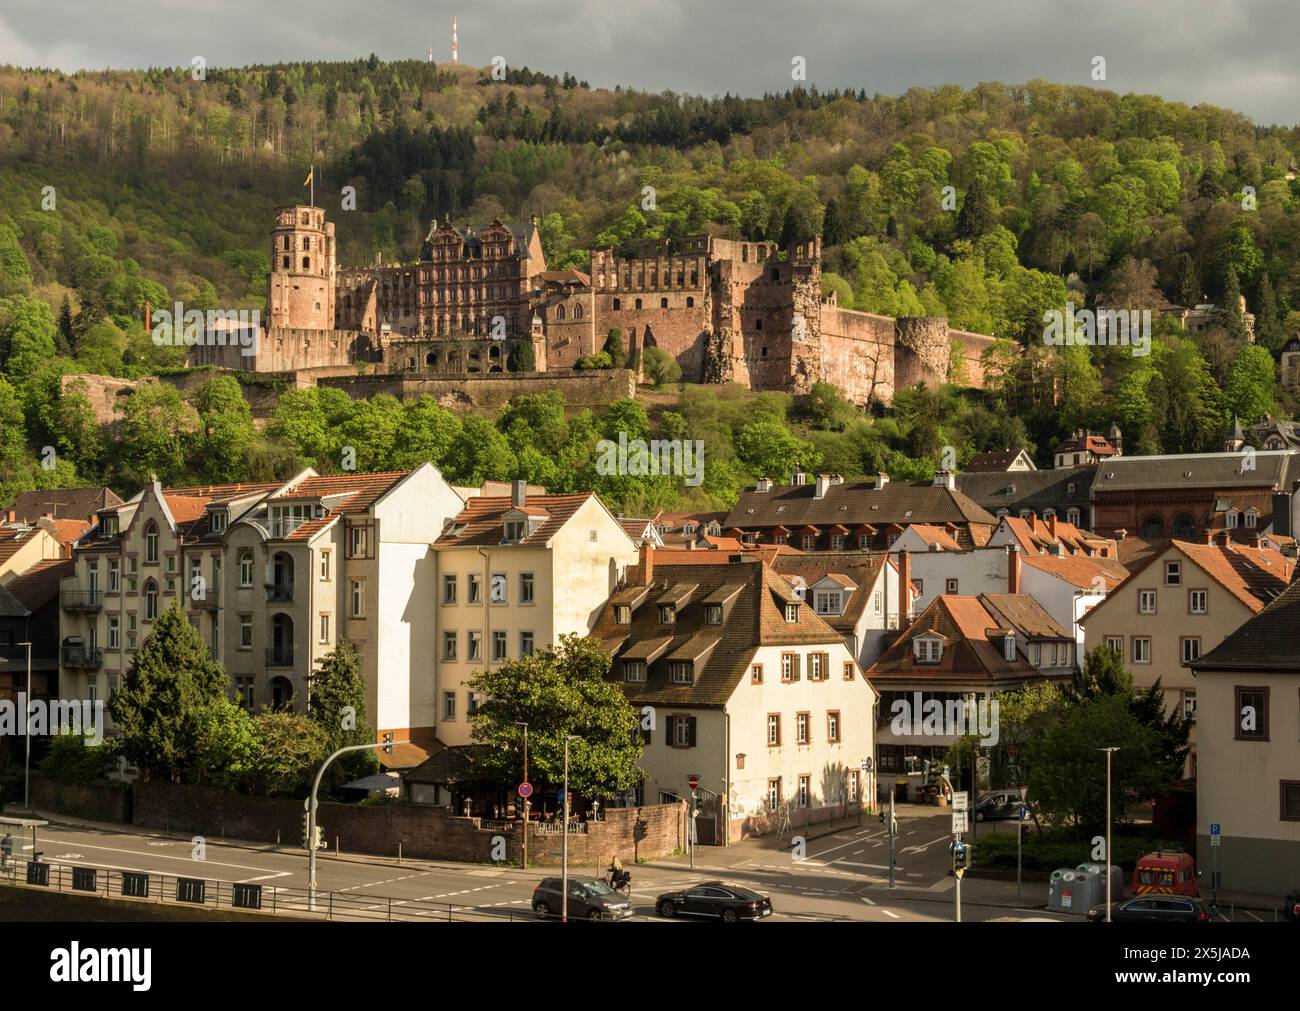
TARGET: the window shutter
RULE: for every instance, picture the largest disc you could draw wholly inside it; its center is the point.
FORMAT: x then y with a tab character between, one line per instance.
794	667
669	724
691	730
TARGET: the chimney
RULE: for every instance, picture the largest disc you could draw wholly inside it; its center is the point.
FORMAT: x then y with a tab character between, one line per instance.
1013	569
1209	537
11	516
1032	520
882	479
945	479
1225	537
904	588
823	482
1120	534
1255	541
764	485
647	564
519	493
1051	526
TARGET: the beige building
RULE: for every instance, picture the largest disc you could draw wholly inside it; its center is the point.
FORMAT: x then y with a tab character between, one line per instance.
514	574
1179	606
23	545
163	547
743	686
326	559
1249	730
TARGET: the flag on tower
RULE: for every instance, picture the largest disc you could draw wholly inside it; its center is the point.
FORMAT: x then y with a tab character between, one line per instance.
310	181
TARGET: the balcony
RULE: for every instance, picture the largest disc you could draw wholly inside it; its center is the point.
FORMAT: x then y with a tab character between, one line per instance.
83	657
279	657
279	593
81	600
210	601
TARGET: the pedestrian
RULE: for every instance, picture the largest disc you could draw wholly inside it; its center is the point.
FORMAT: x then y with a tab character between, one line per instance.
6	849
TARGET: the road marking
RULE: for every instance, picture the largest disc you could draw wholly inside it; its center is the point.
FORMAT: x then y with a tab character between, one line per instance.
867	900
1252	916
164	856
890	913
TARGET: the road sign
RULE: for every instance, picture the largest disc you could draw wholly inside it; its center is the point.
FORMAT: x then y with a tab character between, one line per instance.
867	764
1215	840
958	822
1024	812
525	790
960	801
1216	828
693	782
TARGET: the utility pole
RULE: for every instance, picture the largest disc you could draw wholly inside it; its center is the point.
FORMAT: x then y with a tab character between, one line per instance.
387	745
27	732
564	858
1109	752
524	831
893	838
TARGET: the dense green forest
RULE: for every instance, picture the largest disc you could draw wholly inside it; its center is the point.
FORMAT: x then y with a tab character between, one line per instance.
988	205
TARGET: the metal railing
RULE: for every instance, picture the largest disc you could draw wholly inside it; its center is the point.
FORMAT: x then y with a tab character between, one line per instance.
279	657
252	897
280	593
210	601
557	828
81	600
83	657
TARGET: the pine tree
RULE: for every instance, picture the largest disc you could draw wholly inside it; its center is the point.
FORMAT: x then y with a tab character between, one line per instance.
1189	282
1235	325
1268	321
614	348
832	224
976	217
63	340
168	695
521	357
336	702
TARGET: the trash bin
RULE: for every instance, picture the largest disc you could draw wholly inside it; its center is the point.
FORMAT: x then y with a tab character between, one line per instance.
1064	893
900	791
1097	880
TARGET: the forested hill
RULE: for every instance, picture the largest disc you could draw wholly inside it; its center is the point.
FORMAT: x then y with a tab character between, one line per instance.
126	187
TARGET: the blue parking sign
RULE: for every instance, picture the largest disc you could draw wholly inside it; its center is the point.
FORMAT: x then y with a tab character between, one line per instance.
1215	828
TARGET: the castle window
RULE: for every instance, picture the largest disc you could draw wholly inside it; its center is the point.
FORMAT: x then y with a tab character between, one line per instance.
758	324
690	302
286	262
663	303
638	303
306	263
559	312
287	243
695	278
618	304
577	312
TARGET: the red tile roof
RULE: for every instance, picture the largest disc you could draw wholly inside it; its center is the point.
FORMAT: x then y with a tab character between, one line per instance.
482	520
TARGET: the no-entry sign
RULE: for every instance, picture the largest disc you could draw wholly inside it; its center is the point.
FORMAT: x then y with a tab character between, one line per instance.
525	790
693	782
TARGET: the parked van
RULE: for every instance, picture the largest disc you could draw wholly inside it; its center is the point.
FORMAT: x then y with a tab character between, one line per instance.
1165	872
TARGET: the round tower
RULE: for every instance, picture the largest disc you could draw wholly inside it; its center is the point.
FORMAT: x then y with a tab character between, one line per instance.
302	269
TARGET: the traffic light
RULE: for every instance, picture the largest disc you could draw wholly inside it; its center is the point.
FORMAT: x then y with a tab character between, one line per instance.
320	838
305	827
388	744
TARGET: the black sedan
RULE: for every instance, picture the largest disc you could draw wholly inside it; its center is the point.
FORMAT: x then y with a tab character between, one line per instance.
1154	909
728	903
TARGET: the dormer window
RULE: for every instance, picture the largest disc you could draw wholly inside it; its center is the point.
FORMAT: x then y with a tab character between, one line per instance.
681	672
515	531
217	521
829	602
792	613
623	615
1009	648
1250	518
688	528
110	525
927	648
667	614
713	614
634	671
1231	519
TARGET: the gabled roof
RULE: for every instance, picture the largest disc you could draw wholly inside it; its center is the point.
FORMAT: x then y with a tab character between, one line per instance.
1270	641
1029	489
860	567
12	540
1080	570
933	535
482	521
898	502
1274	469
970	656
997	461
753	616
40	584
64	503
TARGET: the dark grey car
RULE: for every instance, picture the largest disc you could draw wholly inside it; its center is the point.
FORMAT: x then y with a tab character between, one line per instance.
589	899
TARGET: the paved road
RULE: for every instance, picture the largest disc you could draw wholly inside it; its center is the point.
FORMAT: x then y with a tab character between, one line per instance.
842	875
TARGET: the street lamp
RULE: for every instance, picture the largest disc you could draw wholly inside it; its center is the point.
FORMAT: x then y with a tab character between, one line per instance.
524	830
27	732
387	745
564	852
1109	753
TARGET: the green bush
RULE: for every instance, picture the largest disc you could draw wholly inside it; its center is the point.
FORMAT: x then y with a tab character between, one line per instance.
1056	848
71	760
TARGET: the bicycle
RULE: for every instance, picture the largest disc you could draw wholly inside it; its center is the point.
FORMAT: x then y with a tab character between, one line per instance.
621	883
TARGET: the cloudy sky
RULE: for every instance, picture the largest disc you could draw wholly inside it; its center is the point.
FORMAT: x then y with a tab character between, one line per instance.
1233	53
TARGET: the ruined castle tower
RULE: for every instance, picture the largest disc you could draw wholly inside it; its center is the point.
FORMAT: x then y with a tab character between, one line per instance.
302	269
